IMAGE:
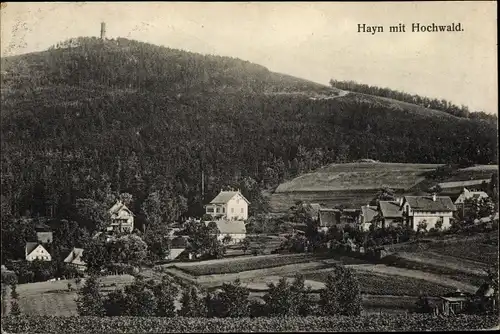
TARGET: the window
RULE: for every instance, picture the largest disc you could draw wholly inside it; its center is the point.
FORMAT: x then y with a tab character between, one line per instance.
242	210
210	209
217	210
223	210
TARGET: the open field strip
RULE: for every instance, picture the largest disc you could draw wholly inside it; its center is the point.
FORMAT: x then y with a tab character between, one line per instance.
218	279
438	279
247	264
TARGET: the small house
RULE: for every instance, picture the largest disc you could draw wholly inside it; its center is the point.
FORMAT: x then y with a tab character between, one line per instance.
467	194
43	233
390	212
122	219
35	251
228	205
234	228
338	217
74	259
368	213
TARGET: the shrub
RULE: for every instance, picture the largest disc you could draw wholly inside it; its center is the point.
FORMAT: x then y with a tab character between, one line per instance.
9	277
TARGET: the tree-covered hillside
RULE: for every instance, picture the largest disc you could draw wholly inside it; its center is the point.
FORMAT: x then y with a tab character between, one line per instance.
89	117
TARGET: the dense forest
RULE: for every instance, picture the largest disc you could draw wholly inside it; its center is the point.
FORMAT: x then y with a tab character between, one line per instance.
432	103
89	118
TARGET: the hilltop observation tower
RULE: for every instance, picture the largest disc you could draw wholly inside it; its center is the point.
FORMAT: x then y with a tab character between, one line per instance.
103	30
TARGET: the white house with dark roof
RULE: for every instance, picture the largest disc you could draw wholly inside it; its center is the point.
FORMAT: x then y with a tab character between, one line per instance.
35	251
428	209
230	205
235	229
122	219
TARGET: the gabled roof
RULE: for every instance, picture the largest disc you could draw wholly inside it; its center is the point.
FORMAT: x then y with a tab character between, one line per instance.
230	226
426	203
117	210
369	212
75	256
42	227
31	246
225	196
390	209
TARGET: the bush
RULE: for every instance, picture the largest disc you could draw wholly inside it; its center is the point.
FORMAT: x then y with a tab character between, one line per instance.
244	265
384	322
9	277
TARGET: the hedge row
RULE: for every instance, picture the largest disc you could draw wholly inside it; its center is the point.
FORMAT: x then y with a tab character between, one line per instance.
240	265
386	322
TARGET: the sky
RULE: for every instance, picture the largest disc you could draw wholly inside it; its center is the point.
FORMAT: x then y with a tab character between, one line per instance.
317	41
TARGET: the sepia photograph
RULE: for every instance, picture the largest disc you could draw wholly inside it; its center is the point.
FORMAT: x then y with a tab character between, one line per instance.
212	167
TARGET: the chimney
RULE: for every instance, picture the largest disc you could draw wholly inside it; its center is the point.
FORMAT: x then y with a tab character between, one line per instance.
434	197
103	30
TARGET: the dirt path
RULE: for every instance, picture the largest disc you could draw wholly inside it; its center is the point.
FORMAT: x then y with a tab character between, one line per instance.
383	269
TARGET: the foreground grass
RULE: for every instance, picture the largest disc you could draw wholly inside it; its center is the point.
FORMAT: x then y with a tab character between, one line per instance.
386	322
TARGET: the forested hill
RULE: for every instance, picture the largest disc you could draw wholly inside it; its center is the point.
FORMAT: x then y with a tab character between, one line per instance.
87	118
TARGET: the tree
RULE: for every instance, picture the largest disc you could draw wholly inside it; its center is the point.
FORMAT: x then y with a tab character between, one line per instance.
13	291
96	255
92	213
288	299
165	293
191	304
129	249
341	294
14	308
422	305
422	226
116	304
245	244
233	300
141	300
384	194
90	301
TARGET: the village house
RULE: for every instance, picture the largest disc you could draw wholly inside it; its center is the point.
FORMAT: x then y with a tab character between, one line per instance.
35	251
74	259
229	205
43	233
234	228
368	213
390	213
122	219
428	209
468	194
338	217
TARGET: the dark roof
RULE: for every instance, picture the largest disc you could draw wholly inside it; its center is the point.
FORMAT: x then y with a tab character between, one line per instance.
426	203
390	209
30	247
329	217
42	227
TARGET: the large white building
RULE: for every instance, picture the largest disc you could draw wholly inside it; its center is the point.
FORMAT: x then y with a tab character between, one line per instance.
229	205
428	209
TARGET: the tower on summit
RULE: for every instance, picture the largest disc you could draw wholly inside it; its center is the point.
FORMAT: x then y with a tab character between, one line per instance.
103	30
